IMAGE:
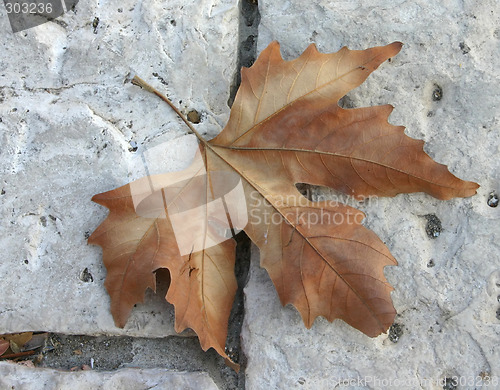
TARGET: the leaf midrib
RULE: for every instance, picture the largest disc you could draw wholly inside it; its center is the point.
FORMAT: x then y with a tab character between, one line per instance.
337	155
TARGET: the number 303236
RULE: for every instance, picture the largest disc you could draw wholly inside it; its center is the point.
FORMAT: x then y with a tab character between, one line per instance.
29	8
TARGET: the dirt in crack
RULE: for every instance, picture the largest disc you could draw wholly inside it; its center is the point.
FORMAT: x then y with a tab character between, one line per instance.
106	353
249	19
247	41
233	343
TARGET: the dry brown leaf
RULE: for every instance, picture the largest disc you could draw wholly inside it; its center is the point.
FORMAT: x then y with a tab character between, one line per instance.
4	346
38	340
17	340
285	128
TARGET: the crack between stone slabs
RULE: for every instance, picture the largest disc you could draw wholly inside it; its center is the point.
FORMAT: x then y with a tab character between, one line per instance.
249	18
176	353
247	41
108	353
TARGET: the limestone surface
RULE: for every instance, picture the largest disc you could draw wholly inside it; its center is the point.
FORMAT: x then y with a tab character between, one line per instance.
20	377
72	125
443	86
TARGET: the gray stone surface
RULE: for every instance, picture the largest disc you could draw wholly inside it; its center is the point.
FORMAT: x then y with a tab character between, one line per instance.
70	122
447	288
20	377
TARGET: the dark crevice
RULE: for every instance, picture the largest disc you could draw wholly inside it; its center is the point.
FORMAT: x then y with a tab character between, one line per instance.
108	353
249	19
247	42
233	343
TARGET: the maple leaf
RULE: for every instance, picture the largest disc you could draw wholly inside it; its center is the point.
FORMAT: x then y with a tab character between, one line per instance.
285	127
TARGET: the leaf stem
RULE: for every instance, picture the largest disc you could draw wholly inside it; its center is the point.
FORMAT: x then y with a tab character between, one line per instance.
17	355
141	83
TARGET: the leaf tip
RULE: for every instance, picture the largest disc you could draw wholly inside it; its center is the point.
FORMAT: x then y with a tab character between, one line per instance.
390	50
274	47
233	365
271	52
120	323
98	198
463	189
472	187
120	313
396	47
91	240
312	47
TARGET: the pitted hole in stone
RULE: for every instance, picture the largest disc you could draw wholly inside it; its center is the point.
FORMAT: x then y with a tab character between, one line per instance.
492	200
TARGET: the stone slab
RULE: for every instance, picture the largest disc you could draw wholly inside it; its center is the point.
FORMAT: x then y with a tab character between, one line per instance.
446	289
21	377
71	126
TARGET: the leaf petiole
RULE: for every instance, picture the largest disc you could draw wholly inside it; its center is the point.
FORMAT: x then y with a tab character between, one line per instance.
141	83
